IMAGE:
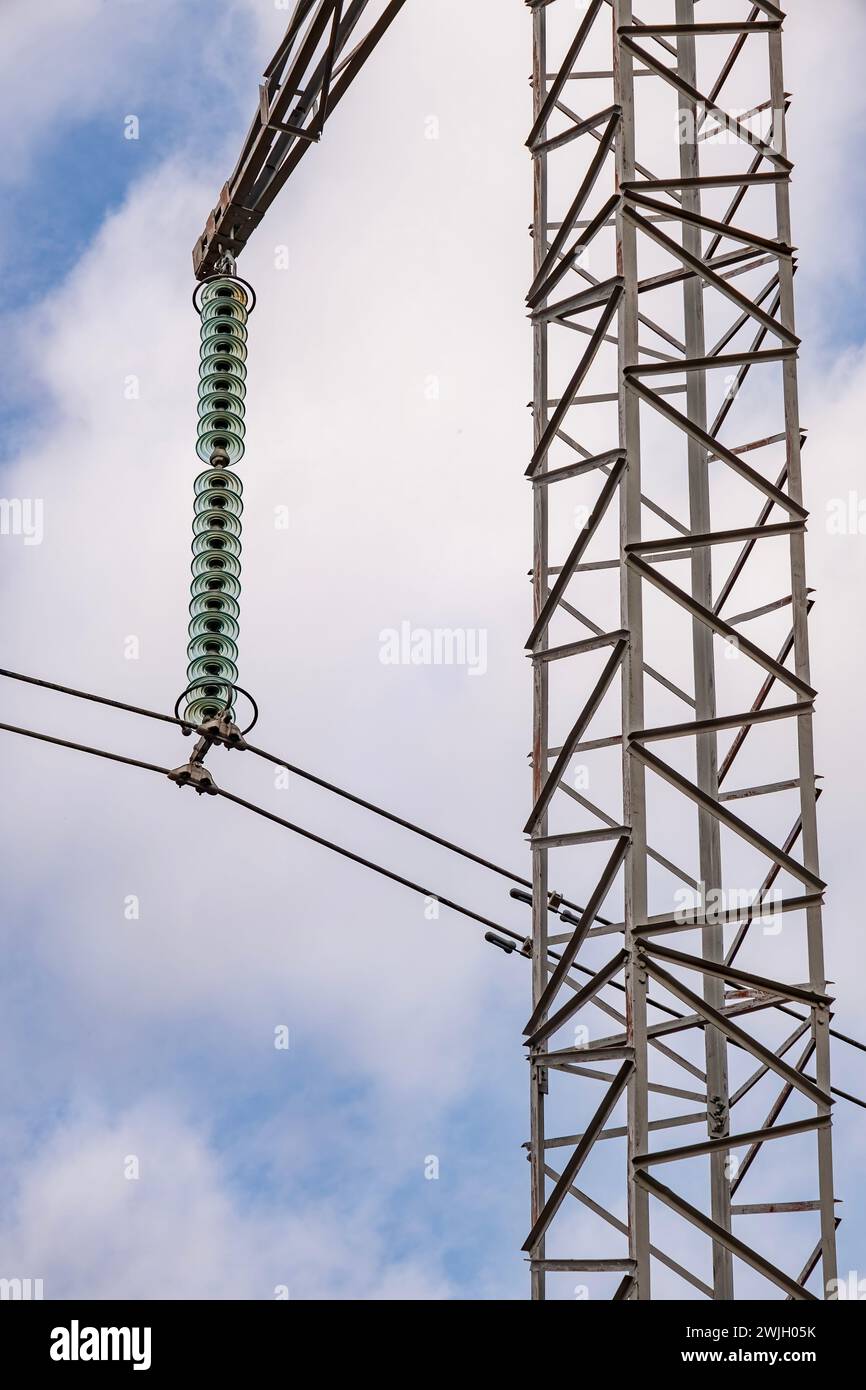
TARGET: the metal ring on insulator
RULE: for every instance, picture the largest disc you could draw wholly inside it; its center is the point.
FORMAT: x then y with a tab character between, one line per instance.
238	690
221	275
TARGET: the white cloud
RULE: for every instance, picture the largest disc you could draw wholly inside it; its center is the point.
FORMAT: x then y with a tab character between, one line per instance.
401	508
84	1225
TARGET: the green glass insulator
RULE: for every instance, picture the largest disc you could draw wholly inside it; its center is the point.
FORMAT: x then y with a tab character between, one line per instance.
203	668
212	585
224	287
222	433
205	706
224	340
221	622
215	646
216	521
232	330
215	563
213	360
220	547
220	391
218	307
224	305
215	479
213	598
218	494
217	404
214	623
217	375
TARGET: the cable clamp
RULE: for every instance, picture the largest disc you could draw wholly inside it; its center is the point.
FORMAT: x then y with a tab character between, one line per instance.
193	774
218	729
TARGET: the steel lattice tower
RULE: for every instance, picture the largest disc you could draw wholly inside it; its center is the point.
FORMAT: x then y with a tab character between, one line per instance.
666	421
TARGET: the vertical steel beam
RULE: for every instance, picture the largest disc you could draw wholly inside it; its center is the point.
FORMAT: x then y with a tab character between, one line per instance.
709	837
540	678
808	810
631	620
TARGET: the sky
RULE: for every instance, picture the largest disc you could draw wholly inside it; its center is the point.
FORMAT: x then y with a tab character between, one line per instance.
154	1140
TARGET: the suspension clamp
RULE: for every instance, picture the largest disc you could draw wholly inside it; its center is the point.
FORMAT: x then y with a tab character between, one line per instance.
218	729
195	775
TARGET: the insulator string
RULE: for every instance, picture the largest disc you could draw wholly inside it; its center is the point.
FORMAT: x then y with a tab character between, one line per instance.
212	652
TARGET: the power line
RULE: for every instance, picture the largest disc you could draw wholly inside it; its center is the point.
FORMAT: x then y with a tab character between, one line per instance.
269	815
301	772
330	845
96	699
83	748
296	829
288	825
365	863
317	839
406	825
